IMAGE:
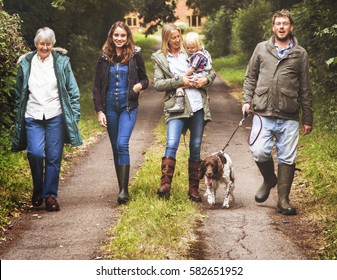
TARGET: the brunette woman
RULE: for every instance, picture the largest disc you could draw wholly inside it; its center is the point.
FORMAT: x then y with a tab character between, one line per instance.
120	77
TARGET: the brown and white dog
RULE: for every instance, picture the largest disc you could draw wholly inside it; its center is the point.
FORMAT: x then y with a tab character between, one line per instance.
217	169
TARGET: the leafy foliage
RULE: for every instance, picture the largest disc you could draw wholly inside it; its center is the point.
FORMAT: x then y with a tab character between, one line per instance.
315	27
217	31
154	13
12	46
245	24
209	8
81	26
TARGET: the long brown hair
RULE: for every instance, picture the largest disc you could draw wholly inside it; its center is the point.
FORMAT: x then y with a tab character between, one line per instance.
109	48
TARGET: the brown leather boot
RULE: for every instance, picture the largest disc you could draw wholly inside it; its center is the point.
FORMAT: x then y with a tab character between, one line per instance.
193	180
167	170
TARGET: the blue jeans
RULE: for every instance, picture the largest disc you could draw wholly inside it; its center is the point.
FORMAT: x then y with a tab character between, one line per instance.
174	129
45	139
282	133
121	123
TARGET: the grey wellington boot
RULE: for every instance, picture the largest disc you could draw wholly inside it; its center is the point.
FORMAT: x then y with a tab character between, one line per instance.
269	180
285	179
123	172
178	106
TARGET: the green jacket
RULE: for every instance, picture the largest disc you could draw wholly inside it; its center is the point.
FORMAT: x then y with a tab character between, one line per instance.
164	80
69	98
279	87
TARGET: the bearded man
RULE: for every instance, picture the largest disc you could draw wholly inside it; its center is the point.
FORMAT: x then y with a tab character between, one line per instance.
277	89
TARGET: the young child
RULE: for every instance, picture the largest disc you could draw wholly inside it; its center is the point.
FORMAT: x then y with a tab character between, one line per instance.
200	61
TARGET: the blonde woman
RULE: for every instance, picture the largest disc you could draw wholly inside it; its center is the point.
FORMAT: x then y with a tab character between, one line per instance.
200	63
170	66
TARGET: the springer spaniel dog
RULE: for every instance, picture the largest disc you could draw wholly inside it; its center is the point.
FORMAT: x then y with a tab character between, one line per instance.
217	169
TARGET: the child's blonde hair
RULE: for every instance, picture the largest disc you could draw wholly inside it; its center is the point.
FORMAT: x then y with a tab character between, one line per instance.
193	38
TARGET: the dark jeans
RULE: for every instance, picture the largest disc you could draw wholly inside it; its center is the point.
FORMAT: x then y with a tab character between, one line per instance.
121	123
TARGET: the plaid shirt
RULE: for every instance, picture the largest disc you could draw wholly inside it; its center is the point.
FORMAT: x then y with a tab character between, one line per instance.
282	52
198	61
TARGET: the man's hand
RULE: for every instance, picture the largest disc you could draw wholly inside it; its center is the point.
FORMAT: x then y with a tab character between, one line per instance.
245	109
306	129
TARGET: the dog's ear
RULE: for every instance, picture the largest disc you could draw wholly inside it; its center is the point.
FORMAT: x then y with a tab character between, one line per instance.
219	168
202	169
223	158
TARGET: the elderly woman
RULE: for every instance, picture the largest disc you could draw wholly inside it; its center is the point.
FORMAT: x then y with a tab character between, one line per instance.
47	114
170	66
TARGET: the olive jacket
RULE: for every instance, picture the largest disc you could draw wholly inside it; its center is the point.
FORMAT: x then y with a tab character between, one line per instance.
69	98
164	80
278	87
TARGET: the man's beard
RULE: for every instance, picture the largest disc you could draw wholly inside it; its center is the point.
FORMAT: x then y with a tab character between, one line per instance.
283	39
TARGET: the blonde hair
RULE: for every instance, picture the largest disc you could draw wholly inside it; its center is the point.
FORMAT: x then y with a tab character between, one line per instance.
109	48
166	36
193	38
45	33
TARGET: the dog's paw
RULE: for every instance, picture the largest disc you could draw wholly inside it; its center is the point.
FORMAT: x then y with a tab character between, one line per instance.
211	201
225	206
226	203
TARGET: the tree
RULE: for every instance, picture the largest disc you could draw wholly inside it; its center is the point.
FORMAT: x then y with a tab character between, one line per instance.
208	8
248	30
154	13
12	45
315	29
80	26
217	31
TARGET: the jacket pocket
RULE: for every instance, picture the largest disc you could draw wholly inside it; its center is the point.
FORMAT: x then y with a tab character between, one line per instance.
288	102
260	99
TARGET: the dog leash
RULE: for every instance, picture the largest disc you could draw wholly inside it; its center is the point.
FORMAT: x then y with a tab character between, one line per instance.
240	124
236	129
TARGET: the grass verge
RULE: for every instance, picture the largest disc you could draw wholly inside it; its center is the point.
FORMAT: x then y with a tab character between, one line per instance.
153	229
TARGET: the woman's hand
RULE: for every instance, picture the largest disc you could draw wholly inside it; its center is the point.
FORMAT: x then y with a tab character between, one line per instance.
137	87
199	82
101	119
186	81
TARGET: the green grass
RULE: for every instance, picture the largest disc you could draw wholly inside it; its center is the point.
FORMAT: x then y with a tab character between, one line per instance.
231	69
150	228
317	160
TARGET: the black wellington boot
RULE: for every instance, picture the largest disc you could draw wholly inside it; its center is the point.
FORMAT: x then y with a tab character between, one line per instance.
285	179
123	172
269	180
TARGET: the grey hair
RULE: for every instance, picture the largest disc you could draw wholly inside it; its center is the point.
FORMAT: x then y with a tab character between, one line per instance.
45	33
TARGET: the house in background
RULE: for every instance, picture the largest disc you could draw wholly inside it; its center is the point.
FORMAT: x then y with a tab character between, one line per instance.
186	18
